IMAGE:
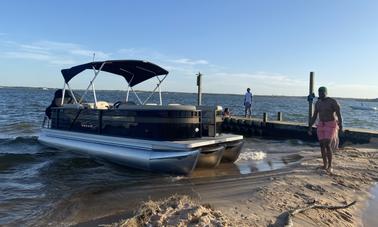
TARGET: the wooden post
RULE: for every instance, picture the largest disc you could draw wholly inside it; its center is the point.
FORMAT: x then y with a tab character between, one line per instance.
199	83
265	117
279	116
310	98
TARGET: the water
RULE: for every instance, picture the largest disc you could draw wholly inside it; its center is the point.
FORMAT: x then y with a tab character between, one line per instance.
35	180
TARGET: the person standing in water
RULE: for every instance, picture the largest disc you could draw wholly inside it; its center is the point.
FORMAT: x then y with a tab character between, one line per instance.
330	122
248	103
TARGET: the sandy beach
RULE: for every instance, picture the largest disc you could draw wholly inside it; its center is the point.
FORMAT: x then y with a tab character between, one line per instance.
264	199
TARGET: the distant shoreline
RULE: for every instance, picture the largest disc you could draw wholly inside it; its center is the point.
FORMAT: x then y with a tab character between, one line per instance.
205	93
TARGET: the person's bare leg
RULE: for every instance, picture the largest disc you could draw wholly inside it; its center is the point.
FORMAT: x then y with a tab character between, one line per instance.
324	154
329	155
245	111
249	112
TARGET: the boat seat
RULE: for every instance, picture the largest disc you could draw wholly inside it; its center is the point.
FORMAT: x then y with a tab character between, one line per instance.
100	105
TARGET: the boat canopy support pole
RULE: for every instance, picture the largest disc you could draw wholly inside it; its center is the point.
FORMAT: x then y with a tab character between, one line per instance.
94	96
91	83
127	93
160	99
128	88
136	95
157	87
69	88
63	93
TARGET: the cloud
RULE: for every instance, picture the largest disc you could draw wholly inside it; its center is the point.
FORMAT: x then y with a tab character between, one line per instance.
52	52
265	77
182	66
217	79
352	90
129	52
86	53
262	83
187	61
26	55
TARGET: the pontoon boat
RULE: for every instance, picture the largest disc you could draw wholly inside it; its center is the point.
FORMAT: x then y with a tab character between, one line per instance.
172	138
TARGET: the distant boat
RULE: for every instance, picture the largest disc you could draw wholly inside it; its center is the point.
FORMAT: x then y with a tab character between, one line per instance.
363	107
45	88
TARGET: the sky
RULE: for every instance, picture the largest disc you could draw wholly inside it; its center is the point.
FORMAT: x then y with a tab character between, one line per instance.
268	45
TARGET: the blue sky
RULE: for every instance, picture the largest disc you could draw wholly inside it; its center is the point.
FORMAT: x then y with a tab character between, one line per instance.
270	46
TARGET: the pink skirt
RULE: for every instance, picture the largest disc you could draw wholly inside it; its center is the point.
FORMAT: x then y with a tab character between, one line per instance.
328	130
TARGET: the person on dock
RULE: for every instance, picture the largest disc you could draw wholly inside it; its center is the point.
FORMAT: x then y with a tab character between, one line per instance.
329	124
248	103
226	113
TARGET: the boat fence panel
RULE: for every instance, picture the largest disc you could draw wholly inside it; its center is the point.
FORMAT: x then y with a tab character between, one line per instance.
155	124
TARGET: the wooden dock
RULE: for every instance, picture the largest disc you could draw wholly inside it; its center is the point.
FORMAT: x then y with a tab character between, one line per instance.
277	129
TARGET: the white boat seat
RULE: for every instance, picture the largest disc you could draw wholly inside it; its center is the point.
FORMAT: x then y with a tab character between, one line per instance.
100	105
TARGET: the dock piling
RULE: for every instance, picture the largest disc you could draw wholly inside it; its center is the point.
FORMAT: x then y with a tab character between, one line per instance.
199	84
310	98
279	116
265	117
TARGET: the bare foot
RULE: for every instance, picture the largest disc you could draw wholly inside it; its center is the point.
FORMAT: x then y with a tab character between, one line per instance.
330	170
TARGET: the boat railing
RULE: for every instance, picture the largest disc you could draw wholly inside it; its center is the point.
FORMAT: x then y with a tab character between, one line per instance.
46	122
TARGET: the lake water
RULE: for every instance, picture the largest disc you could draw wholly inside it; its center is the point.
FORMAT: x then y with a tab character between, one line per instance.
34	179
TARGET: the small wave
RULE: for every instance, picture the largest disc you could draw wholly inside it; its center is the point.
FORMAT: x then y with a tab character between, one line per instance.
177	178
19	140
294	142
252	155
68	165
9	160
19	126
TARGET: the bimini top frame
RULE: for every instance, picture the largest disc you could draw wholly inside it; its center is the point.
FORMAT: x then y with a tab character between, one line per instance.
134	72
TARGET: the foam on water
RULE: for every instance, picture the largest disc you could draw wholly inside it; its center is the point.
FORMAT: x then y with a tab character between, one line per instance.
370	218
249	154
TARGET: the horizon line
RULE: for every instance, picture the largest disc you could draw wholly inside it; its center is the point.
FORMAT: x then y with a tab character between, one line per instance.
210	93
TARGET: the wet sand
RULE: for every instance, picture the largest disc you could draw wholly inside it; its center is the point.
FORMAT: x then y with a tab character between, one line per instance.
370	218
256	199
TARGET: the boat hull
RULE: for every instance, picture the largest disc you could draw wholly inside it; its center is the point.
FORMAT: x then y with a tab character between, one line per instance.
140	154
232	151
210	157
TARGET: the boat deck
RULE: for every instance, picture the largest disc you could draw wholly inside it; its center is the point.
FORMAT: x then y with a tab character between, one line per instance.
205	141
146	144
